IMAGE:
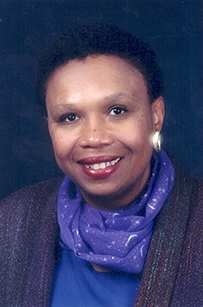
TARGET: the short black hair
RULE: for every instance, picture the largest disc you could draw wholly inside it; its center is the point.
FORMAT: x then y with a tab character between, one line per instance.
99	39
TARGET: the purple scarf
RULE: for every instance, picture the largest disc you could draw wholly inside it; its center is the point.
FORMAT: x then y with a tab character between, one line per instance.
118	240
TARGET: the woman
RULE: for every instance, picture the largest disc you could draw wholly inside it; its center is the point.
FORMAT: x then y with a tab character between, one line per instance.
123	228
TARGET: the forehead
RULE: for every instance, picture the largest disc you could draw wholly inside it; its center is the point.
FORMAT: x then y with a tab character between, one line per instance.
96	76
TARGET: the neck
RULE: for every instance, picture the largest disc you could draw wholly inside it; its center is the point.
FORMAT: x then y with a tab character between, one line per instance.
114	202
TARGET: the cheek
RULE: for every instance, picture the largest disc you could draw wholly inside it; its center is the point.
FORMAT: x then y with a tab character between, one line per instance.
61	144
135	136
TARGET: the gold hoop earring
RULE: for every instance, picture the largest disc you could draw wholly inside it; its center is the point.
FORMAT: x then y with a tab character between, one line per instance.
157	140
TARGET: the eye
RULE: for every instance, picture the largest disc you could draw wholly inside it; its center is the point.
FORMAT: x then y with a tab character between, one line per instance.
118	110
70	117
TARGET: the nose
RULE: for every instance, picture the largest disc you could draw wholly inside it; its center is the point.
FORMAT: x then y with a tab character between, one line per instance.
95	134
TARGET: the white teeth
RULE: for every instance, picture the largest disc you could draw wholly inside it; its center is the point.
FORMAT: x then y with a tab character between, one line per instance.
113	162
102	165
96	166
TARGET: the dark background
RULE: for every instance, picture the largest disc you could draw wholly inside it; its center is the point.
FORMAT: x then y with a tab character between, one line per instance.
173	29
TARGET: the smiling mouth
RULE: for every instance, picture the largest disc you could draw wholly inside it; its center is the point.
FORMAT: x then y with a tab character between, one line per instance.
102	165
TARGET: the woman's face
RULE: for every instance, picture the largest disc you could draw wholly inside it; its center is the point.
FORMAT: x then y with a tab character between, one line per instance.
101	124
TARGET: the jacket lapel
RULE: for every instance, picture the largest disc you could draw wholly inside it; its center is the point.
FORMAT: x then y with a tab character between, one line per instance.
164	254
39	281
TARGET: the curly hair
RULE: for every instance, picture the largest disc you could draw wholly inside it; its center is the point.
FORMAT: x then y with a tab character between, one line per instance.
99	39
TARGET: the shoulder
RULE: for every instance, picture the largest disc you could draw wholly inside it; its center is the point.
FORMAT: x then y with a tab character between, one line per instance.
189	190
187	193
39	188
32	198
193	185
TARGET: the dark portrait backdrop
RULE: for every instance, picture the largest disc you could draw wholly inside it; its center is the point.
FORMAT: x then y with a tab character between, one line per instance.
172	28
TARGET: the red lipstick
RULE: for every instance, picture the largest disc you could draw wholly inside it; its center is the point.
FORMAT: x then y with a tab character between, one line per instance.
100	167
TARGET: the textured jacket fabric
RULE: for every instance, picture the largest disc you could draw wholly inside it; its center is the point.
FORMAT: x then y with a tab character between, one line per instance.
173	273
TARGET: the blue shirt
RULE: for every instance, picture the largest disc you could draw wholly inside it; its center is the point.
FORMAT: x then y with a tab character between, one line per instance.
77	284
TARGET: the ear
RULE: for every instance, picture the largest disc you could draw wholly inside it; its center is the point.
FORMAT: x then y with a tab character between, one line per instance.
158	112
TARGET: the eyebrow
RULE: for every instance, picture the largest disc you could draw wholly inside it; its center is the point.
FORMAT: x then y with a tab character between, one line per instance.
118	96
64	106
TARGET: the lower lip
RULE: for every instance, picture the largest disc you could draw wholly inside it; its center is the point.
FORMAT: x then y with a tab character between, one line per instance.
100	173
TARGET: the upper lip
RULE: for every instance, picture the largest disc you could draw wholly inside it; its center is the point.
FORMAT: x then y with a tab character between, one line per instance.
98	159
